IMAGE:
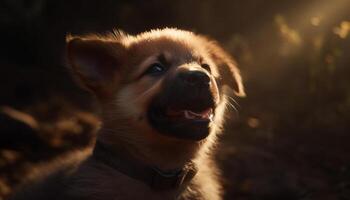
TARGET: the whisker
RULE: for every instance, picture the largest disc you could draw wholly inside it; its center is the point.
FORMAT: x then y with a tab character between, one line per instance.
232	106
234	101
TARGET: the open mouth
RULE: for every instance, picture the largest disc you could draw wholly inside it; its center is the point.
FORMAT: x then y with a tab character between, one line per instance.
184	123
205	115
184	110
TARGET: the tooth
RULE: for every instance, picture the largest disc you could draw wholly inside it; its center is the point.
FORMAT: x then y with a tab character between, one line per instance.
211	117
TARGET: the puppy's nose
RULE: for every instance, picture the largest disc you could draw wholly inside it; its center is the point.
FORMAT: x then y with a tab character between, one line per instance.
195	78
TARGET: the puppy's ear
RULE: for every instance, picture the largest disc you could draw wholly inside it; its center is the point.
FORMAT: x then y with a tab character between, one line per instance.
95	63
227	67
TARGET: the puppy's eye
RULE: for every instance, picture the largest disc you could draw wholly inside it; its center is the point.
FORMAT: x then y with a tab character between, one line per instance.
155	69
206	66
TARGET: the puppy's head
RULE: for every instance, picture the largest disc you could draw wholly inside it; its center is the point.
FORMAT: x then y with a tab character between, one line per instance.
163	83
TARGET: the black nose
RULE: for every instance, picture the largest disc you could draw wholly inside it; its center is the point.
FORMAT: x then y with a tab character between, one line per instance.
195	78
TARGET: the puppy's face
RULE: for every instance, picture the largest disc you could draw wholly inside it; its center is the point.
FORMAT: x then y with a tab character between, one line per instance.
164	83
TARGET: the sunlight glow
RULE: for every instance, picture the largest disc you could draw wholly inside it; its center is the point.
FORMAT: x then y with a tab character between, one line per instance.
291	35
315	21
343	30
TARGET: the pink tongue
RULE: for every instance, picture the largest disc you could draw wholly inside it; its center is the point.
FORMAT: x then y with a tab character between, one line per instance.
206	114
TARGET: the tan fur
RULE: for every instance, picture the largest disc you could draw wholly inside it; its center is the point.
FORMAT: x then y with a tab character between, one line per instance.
124	96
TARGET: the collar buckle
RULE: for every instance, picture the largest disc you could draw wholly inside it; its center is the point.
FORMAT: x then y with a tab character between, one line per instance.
174	179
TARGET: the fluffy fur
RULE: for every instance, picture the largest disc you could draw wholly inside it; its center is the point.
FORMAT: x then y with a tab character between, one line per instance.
112	67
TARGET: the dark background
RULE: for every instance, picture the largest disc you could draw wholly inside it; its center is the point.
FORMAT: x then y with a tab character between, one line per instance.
288	140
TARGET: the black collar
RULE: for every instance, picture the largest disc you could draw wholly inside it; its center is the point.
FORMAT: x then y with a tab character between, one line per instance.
152	176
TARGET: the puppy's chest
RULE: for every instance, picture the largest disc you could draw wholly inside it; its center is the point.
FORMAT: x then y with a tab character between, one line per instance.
111	184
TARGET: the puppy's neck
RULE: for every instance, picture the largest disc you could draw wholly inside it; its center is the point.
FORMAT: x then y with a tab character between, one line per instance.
165	154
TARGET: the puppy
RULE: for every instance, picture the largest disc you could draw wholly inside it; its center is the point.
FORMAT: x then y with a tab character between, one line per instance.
162	95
